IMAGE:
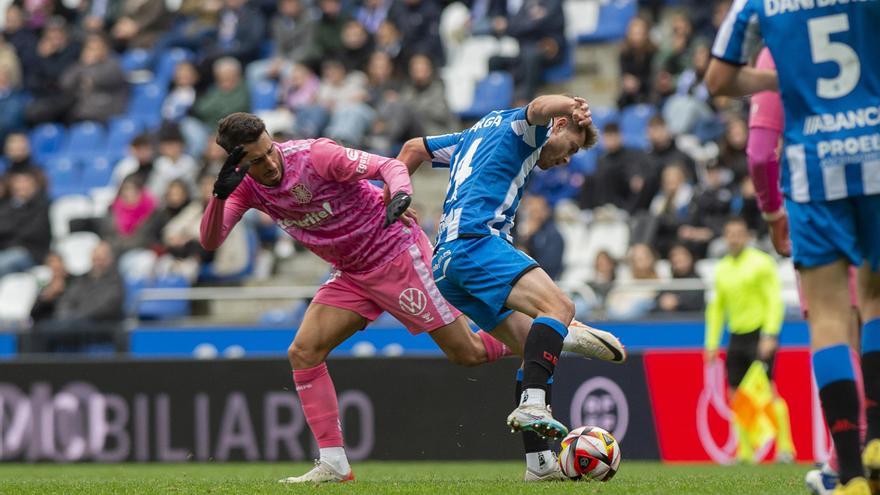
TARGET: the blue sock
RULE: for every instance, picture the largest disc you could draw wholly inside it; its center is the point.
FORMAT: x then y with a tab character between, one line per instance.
832	367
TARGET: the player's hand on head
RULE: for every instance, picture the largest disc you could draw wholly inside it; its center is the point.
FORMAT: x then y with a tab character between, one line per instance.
231	174
396	207
581	113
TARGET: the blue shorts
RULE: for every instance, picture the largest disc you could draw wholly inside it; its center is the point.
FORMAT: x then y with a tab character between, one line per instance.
825	231
476	275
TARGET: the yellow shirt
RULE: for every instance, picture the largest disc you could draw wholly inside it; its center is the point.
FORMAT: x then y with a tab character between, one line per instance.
748	295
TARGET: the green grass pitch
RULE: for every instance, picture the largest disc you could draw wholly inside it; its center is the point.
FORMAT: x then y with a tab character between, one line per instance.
483	478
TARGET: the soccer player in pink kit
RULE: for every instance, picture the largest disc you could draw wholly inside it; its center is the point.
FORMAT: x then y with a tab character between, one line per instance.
319	193
766	123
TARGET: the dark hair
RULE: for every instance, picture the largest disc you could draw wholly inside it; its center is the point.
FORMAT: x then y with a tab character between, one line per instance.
657	120
735	219
170	132
142	139
239	128
612	127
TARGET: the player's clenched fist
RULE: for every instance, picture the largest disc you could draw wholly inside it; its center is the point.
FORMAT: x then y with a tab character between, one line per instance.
231	174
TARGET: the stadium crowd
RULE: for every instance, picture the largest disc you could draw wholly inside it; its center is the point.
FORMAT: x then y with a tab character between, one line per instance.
109	108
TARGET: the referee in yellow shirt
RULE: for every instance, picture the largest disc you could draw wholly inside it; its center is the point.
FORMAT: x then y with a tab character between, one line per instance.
748	296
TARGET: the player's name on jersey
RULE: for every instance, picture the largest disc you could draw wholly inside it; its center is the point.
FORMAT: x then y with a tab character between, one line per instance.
849	150
776	7
836	121
488	121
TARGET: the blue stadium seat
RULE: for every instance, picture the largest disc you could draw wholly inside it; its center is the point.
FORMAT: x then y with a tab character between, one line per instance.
145	104
492	93
135	59
3	164
165	309
120	132
634	125
63	174
614	17
604	115
96	171
564	70
168	62
47	140
85	138
584	161
264	95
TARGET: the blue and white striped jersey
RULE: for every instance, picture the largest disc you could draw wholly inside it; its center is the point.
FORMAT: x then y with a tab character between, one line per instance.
489	167
827	55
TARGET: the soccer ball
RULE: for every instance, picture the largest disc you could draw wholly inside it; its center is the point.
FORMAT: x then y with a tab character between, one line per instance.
589	452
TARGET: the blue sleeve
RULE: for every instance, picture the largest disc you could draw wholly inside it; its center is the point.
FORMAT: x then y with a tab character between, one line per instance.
533	135
441	148
739	34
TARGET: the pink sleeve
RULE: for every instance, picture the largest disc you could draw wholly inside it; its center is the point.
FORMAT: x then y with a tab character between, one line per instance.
766	106
764	167
219	218
340	164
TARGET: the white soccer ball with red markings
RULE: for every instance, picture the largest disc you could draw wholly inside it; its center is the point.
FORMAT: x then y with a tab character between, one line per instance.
589	452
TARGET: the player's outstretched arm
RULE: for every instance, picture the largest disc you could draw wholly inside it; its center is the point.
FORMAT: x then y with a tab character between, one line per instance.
726	79
544	108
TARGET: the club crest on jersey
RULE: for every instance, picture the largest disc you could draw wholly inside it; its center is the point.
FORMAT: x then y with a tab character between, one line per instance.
413	301
301	194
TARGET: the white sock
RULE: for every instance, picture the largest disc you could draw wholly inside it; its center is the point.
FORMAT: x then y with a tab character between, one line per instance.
335	457
540	462
533	397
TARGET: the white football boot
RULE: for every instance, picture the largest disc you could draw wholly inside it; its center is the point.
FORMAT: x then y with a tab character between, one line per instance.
554	474
321	473
531	417
592	343
821	481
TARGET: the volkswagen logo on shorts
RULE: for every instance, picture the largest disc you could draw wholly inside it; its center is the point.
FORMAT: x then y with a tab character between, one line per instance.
600	402
413	301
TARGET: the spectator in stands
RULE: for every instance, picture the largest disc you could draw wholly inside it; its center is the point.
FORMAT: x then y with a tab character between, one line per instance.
426	95
195	25
745	206
229	94
619	176
172	163
689	110
240	34
299	88
12	103
55	54
604	274
732	153
372	13
388	40
708	212
636	63
539	26
140	24
682	262
10	63
96	84
213	157
419	25
669	208
182	255
357	45
47	300
627	302
538	236
343	96
125	228
291	31
327	39
182	95
674	57
17	149
25	233
88	311
381	80
664	150
20	36
139	161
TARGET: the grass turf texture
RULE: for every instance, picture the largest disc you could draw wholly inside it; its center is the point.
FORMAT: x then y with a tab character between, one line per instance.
483	478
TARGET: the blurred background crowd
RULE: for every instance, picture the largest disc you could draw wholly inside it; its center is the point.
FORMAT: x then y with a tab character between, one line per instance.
108	109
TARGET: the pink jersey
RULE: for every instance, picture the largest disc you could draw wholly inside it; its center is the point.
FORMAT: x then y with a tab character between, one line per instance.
325	202
766	107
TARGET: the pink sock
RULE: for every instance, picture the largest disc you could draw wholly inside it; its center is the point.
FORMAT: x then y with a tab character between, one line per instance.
495	349
318	397
863	420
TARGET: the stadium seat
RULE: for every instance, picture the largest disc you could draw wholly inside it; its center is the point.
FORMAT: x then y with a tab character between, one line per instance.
603	116
120	132
564	70
84	138
63	173
3	164
96	172
492	93
264	96
584	161
164	309
47	140
18	292
634	125
135	59
76	251
67	208
614	17
168	62
137	264
206	274
145	104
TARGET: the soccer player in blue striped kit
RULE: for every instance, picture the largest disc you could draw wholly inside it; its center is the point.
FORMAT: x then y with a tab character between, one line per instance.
827	55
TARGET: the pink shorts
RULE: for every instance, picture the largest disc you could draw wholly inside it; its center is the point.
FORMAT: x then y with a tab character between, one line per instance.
403	287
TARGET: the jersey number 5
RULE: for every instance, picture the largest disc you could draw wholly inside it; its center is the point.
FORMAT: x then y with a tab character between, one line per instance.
824	50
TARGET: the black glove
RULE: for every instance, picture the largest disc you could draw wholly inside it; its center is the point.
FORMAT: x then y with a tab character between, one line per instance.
396	207
231	174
